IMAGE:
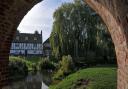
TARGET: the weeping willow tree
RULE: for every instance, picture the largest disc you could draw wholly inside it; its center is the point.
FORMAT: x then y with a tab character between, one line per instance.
75	28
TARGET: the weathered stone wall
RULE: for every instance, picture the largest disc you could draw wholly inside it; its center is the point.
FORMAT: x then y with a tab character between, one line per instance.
11	13
115	15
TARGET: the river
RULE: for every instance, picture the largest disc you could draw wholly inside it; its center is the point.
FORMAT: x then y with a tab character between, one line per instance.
32	81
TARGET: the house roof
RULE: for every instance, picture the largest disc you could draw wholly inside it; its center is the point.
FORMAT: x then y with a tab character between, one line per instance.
46	45
47	41
31	38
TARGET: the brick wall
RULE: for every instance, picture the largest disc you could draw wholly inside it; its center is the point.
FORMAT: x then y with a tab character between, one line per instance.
114	13
11	13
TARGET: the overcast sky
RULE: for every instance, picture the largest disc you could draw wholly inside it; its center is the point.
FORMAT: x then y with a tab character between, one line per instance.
40	17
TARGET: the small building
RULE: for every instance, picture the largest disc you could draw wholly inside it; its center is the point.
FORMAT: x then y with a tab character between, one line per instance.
47	48
26	44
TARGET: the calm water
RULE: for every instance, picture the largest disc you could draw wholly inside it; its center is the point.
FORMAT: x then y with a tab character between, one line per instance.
36	81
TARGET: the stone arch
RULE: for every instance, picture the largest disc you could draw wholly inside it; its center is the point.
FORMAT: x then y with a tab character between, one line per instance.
113	12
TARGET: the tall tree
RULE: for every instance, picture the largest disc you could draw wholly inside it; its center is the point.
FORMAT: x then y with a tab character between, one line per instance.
76	30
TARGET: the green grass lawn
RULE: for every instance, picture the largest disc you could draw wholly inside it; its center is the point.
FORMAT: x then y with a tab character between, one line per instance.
28	60
34	59
91	78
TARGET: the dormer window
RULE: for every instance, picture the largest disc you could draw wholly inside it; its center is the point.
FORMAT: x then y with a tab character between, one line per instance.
17	37
35	38
26	38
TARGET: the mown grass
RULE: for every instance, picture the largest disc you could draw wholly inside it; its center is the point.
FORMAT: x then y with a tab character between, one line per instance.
30	61
99	78
33	59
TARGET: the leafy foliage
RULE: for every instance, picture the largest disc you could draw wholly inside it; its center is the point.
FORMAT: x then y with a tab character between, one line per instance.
29	61
17	68
66	66
46	64
77	30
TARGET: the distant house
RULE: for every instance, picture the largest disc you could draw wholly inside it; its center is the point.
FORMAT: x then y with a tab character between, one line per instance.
47	48
27	44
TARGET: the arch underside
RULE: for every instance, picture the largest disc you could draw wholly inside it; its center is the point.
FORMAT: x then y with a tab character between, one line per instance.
11	14
115	15
113	12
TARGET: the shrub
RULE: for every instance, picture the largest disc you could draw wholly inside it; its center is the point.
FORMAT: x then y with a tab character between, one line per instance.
17	69
30	62
53	59
46	64
66	66
90	58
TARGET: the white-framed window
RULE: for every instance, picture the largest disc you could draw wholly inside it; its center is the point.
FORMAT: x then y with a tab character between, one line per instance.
35	38
16	45
17	37
26	38
35	46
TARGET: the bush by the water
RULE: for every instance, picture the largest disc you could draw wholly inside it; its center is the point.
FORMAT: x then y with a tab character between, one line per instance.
66	66
31	62
46	64
17	68
91	78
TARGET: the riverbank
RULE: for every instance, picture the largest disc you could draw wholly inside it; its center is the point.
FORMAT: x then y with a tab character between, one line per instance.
90	78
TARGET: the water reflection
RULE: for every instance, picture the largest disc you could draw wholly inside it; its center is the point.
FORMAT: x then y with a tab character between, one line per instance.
32	81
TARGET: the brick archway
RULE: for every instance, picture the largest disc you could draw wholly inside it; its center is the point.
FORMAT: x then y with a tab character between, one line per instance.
113	12
115	15
11	14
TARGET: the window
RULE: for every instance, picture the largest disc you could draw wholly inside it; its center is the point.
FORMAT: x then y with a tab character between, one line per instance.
35	38
16	45
34	45
17	37
26	38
